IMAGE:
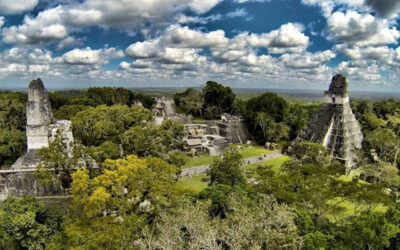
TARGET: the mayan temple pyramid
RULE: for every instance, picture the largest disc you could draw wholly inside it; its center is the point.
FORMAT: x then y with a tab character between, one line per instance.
334	125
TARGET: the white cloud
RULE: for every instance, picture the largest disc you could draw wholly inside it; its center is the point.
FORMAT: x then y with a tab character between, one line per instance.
307	60
288	38
361	29
44	28
237	13
185	37
176	37
245	1
58	22
386	8
89	56
17	6
2	20
367	53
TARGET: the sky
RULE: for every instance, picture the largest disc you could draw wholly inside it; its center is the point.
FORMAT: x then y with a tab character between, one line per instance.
284	44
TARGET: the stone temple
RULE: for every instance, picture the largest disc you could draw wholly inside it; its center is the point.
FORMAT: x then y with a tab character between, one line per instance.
334	125
41	129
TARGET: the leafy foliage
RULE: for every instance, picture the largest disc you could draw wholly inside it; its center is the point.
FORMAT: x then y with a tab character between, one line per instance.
27	222
227	171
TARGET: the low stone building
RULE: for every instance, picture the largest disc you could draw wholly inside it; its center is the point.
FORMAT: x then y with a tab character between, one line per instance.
334	125
164	109
233	128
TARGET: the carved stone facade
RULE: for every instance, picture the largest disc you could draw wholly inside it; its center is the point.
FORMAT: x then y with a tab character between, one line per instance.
39	116
334	125
41	129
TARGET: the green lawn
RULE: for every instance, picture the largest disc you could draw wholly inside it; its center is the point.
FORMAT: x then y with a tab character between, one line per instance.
194	183
252	151
275	163
199	161
348	208
247	151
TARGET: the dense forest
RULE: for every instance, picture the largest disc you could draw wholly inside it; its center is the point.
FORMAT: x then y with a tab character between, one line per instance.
133	199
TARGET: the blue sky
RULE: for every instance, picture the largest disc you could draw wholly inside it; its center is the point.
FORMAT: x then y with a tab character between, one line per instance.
296	44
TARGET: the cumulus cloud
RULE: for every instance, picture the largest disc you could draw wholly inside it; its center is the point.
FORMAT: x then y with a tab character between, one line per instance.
89	56
176	37
17	6
44	28
361	29
56	23
288	38
184	19
245	1
386	8
367	53
237	13
307	60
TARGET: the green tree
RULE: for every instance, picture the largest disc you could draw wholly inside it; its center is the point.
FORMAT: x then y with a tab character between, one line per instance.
310	153
12	110
12	145
263	113
384	142
66	112
255	223
189	102
370	122
123	186
226	170
297	119
217	99
27	222
95	126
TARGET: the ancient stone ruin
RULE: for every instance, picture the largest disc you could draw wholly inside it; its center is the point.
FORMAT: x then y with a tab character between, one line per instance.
334	125
164	109
233	128
41	129
211	137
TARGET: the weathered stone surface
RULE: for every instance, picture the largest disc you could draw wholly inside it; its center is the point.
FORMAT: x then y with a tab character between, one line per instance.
233	128
39	116
334	125
41	129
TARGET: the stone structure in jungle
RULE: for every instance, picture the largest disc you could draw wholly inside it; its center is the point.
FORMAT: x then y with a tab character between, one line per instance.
334	125
41	129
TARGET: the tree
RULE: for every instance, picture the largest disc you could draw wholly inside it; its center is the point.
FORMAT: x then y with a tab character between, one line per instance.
95	126
27	222
123	186
227	171
112	96
60	159
370	122
113	208
255	223
384	142
150	139
107	150
297	119
361	107
310	153
218	98
12	111
189	102
12	145
263	113
66	112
